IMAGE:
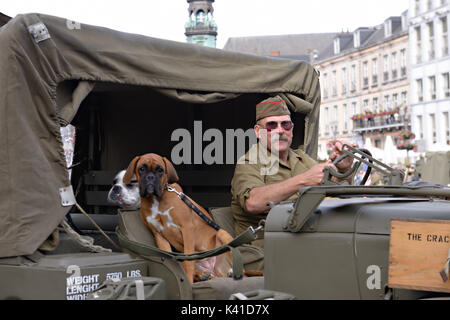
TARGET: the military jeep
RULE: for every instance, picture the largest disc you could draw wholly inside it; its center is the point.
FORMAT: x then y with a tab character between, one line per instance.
125	95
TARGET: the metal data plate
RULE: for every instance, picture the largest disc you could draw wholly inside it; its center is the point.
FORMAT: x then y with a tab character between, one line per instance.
39	32
67	196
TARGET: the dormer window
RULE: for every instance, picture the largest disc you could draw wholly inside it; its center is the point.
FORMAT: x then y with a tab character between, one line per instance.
357	39
337	46
388	28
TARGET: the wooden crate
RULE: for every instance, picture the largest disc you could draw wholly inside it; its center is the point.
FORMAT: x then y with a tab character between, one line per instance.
418	252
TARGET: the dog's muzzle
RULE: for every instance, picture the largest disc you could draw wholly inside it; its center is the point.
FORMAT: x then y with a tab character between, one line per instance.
150	185
115	193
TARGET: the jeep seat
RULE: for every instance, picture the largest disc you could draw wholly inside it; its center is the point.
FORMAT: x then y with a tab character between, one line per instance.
252	256
171	271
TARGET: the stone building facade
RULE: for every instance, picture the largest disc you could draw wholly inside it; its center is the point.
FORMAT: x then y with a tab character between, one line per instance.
365	85
430	70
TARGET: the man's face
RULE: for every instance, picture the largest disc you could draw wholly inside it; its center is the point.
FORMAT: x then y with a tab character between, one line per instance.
277	131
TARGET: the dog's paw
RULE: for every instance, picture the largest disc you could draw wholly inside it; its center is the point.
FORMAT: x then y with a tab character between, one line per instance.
253	273
204	276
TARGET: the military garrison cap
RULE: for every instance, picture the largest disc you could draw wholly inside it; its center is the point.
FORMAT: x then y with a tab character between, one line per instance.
274	106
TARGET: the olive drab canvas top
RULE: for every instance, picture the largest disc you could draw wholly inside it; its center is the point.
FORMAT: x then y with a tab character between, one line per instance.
261	168
40	52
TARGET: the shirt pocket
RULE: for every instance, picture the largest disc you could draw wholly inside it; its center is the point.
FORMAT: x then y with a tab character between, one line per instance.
271	179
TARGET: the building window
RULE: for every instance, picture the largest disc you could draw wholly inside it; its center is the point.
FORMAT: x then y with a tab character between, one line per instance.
432	82
385	68
394	65
417	7
403	63
405	98
325	85
386	101
444	36
433	127
337	46
200	17
374	72
366	105
395	99
346	117
376	107
431	54
354	111
333	84
446	127
353	78
446	82
365	75
429	4
419	85
334	124
357	39
388	28
326	117
344	80
419	127
419	45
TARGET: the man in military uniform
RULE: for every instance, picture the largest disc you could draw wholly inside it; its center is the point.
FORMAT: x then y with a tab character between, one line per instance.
271	171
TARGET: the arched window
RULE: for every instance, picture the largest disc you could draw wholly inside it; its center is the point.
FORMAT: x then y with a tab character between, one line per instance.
200	16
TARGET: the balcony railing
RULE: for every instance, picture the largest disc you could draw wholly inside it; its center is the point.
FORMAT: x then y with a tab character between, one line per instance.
201	30
380	122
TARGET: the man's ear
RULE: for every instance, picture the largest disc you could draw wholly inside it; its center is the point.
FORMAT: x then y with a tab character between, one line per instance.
257	132
131	170
172	175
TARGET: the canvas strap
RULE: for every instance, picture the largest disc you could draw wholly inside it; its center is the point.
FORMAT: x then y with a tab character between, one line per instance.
145	250
189	203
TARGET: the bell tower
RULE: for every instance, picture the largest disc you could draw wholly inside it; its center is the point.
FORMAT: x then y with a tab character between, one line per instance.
201	27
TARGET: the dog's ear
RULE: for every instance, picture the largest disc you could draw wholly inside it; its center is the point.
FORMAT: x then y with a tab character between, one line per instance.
172	175
130	170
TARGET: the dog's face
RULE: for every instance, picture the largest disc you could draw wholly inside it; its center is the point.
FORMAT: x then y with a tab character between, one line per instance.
124	195
153	173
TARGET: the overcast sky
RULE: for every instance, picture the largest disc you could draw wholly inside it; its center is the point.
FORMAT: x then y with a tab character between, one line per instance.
235	18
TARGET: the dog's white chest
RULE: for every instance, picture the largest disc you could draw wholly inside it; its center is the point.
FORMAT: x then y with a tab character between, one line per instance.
157	216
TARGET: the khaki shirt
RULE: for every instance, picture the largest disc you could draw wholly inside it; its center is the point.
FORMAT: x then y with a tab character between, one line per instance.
259	169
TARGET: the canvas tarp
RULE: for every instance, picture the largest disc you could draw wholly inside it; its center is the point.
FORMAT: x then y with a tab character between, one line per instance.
32	165
435	168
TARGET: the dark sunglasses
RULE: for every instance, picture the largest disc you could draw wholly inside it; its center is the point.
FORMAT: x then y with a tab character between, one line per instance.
272	125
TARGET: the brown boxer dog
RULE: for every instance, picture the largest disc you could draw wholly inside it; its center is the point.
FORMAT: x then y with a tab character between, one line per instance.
172	222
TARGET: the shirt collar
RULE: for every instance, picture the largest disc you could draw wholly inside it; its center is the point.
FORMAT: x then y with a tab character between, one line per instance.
268	158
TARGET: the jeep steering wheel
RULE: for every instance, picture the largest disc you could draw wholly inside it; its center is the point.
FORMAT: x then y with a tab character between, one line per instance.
330	172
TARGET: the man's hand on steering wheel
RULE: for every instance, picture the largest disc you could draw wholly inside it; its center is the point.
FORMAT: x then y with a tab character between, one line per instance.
336	151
